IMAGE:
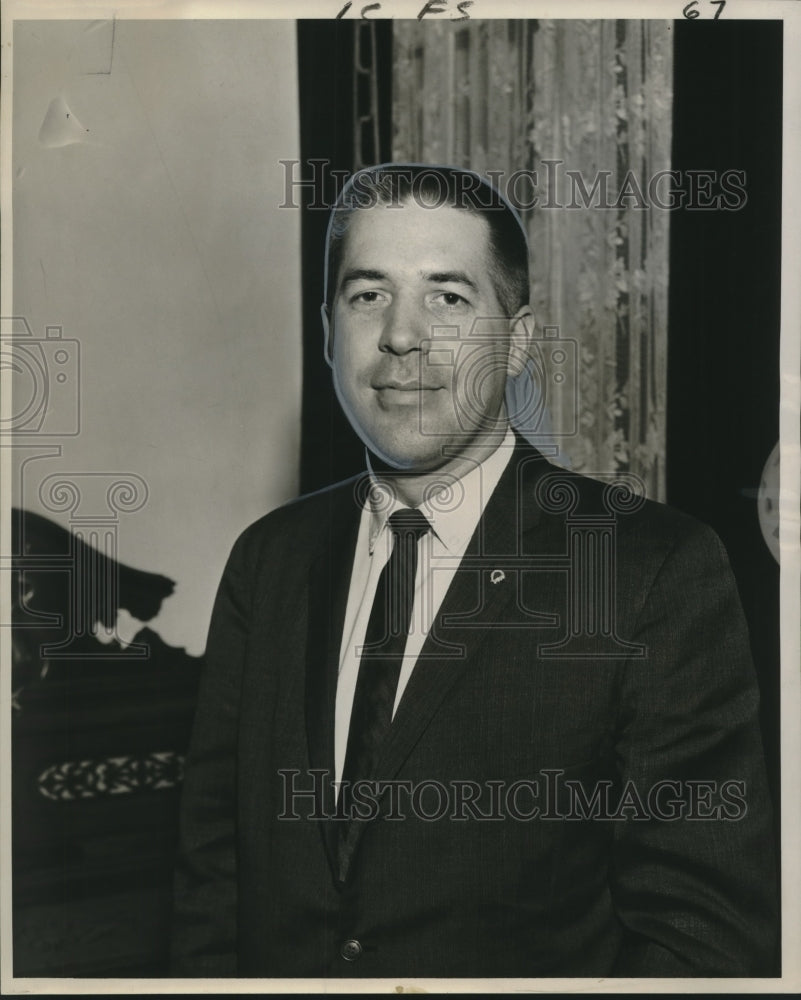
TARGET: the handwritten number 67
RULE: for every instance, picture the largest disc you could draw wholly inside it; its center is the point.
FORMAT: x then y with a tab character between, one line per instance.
691	11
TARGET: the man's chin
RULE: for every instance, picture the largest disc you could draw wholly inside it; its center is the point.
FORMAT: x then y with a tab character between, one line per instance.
423	454
404	460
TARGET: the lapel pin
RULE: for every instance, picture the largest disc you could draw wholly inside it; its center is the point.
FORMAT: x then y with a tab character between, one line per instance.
497	575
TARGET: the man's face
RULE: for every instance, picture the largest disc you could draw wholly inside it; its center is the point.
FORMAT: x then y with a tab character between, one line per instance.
418	377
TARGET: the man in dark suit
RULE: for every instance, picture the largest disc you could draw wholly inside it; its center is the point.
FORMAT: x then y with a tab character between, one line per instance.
468	714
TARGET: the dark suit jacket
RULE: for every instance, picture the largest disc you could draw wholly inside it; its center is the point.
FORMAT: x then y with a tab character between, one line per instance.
616	667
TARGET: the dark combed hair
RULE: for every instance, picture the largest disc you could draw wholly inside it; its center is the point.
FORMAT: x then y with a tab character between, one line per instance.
435	187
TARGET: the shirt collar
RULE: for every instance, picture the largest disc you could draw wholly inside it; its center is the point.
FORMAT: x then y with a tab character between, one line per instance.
455	509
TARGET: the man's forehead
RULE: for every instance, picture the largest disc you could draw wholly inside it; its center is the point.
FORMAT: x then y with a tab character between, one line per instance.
437	232
413	212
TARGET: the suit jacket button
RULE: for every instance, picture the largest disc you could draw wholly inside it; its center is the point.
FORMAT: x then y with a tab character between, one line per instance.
351	950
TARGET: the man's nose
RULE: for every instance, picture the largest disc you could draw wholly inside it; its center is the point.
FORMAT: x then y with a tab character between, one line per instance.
406	327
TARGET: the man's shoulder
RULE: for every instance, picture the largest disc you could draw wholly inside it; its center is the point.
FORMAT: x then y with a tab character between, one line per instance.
608	521
307	515
618	499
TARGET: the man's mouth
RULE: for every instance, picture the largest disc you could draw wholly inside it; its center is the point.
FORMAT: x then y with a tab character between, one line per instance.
413	385
393	393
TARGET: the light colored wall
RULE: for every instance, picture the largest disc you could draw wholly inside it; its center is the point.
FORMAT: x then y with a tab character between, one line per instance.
146	226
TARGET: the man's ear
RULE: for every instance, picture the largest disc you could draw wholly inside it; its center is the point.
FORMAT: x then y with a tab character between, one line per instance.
328	346
521	329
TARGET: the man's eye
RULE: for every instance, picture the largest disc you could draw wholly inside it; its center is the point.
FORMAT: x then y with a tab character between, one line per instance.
451	299
366	298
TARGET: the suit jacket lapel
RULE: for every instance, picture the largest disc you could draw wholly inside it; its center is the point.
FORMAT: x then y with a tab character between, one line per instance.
453	643
329	581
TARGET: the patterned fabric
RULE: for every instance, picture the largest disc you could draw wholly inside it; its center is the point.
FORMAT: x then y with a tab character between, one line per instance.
92	779
586	106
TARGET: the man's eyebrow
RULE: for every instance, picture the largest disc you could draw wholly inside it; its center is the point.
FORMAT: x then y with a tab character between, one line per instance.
451	277
434	277
362	274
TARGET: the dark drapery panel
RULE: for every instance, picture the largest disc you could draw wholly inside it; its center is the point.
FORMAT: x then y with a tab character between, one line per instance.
723	351
344	70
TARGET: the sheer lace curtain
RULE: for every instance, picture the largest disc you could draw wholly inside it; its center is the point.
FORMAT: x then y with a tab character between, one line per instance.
576	118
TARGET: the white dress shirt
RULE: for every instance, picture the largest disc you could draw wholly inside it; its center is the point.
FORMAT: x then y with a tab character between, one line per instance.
454	513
